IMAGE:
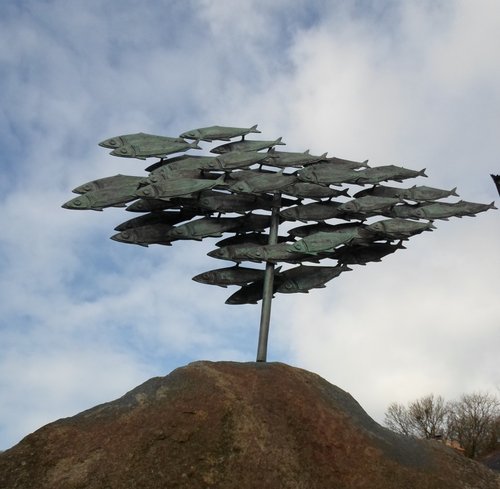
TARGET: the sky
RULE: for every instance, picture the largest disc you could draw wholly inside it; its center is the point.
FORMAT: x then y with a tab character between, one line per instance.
84	319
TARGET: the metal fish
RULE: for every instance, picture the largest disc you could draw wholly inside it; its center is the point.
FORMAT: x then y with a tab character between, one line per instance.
313	191
235	252
246	145
137	138
369	203
223	133
145	235
263	182
328	174
107	197
405	211
165	173
148	150
235	275
317	211
323	241
284	159
274	253
253	222
444	210
304	278
107	182
361	255
178	186
399	228
340	162
249	294
415	193
204	228
388	172
163	217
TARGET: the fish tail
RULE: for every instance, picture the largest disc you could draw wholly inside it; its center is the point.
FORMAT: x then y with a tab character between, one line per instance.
254	129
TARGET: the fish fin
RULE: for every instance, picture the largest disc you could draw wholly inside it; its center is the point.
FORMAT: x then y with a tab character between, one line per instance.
195	144
324	155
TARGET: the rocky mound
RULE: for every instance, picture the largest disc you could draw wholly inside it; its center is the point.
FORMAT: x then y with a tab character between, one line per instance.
227	425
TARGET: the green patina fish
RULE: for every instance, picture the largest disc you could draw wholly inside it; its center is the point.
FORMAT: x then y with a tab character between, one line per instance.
235	275
137	138
108	182
246	145
223	133
304	278
178	186
143	150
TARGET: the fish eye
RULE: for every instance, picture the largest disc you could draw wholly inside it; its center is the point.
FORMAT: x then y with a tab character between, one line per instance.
87	187
125	234
77	202
146	191
178	231
297	246
153	179
288	285
123	150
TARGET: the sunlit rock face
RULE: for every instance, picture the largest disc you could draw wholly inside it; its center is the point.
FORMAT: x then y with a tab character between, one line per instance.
233	425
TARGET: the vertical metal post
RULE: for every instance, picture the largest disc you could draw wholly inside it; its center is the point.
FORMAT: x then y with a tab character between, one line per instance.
267	293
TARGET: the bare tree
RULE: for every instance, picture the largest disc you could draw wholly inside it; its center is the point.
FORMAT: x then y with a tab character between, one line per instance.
473	422
423	418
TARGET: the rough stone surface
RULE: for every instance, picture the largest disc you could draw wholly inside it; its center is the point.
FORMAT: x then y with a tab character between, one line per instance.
233	425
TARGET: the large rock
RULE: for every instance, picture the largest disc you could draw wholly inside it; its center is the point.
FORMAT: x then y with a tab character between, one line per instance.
233	425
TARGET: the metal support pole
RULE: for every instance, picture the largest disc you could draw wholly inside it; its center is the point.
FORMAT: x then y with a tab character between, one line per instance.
267	293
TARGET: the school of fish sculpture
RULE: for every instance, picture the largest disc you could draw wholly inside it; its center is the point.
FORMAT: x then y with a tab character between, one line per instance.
245	184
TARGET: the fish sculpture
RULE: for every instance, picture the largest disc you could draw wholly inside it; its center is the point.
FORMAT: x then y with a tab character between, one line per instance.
250	293
306	190
283	159
150	205
263	182
240	203
388	172
137	138
164	217
99	199
246	145
142	151
204	228
399	228
107	182
177	187
222	133
415	193
303	231
235	275
304	278
328	174
361	255
404	211
317	211
369	203
325	241
145	235
274	253
234	252
444	210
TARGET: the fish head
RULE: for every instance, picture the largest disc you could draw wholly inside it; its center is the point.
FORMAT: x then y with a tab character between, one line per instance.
298	247
80	202
350	206
112	143
86	187
127	236
377	227
307	176
204	278
191	134
125	151
420	213
220	253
